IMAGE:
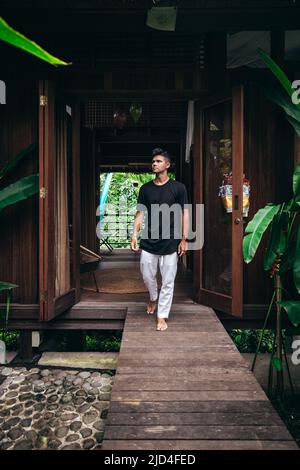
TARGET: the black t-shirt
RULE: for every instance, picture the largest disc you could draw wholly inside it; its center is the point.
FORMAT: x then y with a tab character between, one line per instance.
162	231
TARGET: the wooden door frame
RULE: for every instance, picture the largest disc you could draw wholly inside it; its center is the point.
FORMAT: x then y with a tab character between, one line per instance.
76	212
51	306
46	200
232	304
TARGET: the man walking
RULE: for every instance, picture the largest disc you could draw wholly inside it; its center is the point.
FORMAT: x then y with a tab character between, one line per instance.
165	234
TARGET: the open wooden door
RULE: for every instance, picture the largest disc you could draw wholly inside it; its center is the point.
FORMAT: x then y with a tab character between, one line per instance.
58	209
219	150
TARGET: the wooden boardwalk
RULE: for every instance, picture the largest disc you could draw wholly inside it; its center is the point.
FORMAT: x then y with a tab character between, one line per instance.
187	388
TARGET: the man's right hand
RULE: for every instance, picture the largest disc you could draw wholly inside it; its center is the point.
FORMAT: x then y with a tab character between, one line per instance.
134	243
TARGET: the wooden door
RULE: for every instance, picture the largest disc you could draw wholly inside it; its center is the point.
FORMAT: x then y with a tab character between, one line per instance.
58	209
219	150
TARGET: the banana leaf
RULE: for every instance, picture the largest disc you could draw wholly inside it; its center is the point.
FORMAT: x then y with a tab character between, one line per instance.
291	206
12	163
256	228
275	93
277	72
13	37
280	97
18	191
296	265
294	123
277	241
7	285
292	308
296	182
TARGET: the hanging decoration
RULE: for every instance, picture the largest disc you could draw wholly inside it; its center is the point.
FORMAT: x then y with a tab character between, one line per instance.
225	192
162	18
120	118
136	111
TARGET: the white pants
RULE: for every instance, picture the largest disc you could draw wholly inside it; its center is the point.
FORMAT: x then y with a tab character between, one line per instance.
168	269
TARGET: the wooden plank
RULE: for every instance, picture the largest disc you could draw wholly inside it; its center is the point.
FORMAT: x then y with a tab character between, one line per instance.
196	432
156	370
172	327
213	406
179	347
197	444
184	419
239	375
181	385
148	395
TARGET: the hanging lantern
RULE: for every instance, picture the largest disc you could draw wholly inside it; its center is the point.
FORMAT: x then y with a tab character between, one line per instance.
120	118
225	192
136	111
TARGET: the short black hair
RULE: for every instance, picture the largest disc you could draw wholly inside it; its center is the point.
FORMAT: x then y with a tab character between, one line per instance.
164	153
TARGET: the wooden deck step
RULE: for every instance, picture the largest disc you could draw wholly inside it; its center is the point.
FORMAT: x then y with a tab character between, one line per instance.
187	388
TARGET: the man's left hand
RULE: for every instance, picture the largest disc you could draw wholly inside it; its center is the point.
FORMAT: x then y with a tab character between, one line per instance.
182	248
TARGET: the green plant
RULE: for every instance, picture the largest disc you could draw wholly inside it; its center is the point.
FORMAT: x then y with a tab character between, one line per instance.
247	340
103	342
13	37
282	255
11	339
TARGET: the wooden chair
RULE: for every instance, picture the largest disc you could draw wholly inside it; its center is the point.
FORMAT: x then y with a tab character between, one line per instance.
89	262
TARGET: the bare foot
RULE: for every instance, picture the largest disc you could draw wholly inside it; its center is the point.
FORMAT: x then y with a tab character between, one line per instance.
151	307
161	324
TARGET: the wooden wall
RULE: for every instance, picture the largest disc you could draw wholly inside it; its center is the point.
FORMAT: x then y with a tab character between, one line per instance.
268	163
19	223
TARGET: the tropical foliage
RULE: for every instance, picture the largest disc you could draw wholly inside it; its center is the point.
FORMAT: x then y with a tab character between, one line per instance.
282	255
13	37
122	195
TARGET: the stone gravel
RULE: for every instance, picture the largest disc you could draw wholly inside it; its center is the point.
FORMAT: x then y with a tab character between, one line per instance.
53	408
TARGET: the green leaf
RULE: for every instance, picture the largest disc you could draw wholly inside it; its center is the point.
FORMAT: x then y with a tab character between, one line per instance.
276	94
296	265
256	228
277	241
279	96
8	301
292	308
12	163
7	285
18	191
276	363
296	182
13	37
277	71
294	123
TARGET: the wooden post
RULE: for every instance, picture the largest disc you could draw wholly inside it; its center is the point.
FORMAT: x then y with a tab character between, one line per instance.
25	345
76	342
